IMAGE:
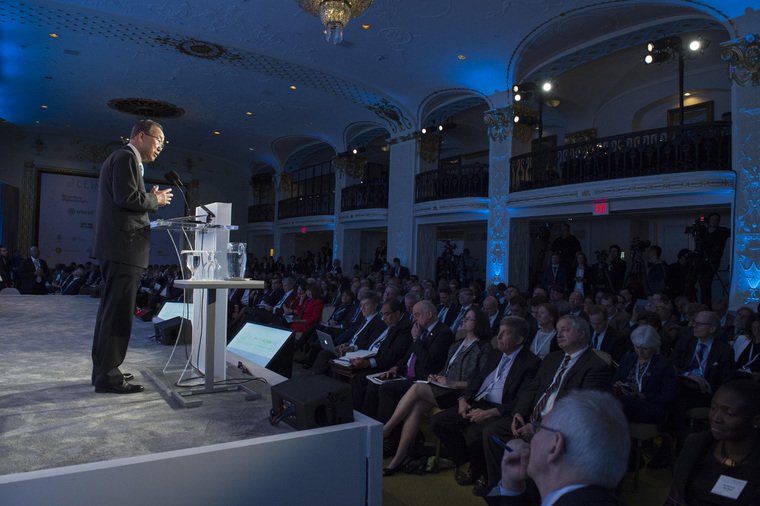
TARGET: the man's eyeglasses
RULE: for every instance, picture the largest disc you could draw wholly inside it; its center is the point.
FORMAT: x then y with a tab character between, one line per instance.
536	427
163	143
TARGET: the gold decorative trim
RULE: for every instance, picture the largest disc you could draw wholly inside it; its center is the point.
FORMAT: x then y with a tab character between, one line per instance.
743	57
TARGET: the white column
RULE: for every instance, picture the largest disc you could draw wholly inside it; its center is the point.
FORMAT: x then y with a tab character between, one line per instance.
745	152
404	164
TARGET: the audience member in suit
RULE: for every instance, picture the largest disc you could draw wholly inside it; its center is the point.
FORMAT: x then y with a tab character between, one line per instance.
575	306
73	285
555	274
6	278
267	312
399	271
465	359
33	274
604	337
519	307
448	309
362	338
391	345
431	340
557	297
575	367
617	319
410	299
703	364
466	299
645	381
742	319
292	305
489	395
576	455
491	307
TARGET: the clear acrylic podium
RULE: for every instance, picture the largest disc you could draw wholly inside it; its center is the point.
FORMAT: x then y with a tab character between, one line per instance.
209	302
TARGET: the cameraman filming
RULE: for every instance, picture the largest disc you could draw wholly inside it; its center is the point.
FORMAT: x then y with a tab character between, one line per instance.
615	268
711	242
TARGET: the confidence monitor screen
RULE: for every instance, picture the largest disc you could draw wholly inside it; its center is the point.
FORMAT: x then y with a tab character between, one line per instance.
174	309
269	347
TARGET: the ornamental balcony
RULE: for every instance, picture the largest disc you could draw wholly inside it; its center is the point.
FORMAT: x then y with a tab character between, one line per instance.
463	181
676	149
364	196
306	205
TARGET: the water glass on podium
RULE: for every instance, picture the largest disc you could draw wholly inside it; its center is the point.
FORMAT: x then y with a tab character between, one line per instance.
236	258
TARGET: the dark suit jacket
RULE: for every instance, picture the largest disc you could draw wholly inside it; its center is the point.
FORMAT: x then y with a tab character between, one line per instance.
451	314
496	324
659	382
73	287
369	333
395	346
5	273
122	228
28	281
521	373
592	495
719	368
589	373
614	343
550	279
431	353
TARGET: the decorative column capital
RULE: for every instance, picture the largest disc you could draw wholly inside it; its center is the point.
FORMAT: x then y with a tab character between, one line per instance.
501	123
743	57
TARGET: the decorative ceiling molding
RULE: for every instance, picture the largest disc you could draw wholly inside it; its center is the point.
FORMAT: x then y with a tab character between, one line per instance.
146	108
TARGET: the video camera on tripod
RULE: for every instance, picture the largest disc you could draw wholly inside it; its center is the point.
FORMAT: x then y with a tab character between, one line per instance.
543	233
639	246
697	229
602	257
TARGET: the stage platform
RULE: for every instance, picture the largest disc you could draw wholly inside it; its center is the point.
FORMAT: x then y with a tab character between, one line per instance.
60	440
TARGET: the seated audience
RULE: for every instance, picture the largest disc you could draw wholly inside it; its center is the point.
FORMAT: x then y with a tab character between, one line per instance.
465	359
544	342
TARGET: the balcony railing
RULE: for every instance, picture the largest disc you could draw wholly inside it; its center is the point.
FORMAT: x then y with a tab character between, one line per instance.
261	212
307	205
688	148
364	196
451	183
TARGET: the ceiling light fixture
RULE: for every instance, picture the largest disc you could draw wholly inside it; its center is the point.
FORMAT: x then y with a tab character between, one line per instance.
334	14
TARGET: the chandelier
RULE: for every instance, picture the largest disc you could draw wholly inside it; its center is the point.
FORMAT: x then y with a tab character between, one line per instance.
335	14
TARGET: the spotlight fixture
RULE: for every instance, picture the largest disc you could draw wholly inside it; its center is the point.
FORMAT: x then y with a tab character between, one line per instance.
424	130
356	151
447	126
524	91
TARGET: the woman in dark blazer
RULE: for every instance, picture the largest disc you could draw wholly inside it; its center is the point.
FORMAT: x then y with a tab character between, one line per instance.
645	381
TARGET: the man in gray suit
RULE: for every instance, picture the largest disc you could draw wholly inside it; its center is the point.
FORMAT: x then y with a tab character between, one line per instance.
121	243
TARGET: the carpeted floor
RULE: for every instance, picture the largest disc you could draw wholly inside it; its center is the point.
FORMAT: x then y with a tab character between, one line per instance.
50	415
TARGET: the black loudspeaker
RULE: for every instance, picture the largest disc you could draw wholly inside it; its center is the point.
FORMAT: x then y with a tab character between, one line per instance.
167	332
312	401
145	315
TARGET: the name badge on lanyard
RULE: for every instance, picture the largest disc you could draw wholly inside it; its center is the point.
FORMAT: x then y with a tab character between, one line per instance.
728	487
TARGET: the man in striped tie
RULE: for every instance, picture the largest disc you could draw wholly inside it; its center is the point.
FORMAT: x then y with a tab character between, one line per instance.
576	366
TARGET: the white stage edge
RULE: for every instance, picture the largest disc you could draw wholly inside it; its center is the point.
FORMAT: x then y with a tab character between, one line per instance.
340	464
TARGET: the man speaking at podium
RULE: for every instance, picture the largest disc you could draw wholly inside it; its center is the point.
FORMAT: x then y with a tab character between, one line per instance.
121	243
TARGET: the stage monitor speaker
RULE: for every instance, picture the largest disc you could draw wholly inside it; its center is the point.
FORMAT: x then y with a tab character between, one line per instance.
308	402
270	347
167	332
145	315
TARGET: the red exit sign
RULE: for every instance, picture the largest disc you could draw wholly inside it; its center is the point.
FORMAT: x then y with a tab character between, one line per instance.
602	207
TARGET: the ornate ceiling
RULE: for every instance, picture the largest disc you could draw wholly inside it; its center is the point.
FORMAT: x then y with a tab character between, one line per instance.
260	73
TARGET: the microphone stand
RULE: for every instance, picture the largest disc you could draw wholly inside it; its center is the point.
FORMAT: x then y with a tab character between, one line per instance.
177	181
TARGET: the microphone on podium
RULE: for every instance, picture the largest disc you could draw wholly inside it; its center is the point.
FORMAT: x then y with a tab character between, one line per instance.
173	178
